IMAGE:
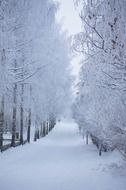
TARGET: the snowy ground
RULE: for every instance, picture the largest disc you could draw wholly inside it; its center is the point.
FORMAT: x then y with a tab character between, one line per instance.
60	161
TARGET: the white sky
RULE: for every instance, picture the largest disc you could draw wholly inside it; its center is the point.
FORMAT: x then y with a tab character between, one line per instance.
70	21
68	16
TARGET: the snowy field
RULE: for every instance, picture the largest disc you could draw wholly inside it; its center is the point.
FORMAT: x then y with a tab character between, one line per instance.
60	161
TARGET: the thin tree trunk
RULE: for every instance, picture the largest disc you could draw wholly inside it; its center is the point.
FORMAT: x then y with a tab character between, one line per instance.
36	130
47	131
38	134
29	126
14	111
86	137
100	149
35	135
29	119
44	131
3	61
1	122
21	115
14	116
41	131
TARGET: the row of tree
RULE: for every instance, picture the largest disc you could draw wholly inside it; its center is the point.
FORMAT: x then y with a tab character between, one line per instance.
100	105
34	67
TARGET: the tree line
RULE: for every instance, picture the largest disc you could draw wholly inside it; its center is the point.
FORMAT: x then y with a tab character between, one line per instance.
34	70
100	105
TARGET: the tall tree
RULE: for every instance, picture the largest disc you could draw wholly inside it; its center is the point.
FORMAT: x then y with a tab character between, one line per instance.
102	78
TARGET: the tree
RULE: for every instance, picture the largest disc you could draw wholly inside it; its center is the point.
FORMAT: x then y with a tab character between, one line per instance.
33	48
102	80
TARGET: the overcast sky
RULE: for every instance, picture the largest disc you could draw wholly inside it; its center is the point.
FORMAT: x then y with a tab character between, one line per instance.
68	16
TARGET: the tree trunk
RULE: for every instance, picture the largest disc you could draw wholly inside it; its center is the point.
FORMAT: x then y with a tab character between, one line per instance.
21	115
38	134
1	122
86	137
35	135
47	131
100	148
14	115
29	126
41	131
44	131
14	109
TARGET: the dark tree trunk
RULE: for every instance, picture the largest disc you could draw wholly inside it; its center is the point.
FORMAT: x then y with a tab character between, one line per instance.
100	149
44	129
1	123
38	134
41	131
86	137
14	109
14	116
21	115
29	119
35	136
29	126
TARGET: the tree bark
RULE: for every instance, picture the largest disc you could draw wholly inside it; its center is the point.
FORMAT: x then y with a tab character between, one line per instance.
86	137
29	126
14	110
1	122
21	115
100	149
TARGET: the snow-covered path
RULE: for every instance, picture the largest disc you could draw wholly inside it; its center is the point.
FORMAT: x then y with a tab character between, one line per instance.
59	161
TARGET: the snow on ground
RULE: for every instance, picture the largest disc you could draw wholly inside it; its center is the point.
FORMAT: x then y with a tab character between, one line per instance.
60	161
